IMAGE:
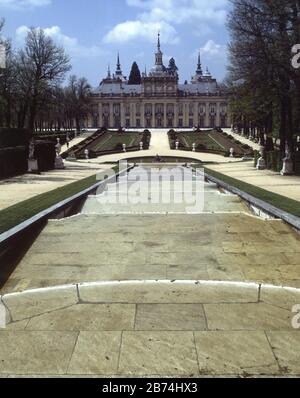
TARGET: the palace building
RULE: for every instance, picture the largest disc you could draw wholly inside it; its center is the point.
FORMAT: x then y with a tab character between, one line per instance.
160	101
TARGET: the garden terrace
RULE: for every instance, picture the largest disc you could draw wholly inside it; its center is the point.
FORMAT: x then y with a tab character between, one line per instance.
109	142
212	141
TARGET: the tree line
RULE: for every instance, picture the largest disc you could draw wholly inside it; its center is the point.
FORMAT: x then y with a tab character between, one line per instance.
32	90
262	84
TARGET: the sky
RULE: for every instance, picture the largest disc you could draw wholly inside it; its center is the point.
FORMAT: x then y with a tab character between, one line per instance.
93	31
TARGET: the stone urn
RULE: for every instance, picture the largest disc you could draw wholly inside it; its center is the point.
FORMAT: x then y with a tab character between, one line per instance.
231	152
177	145
141	145
87	154
194	147
124	147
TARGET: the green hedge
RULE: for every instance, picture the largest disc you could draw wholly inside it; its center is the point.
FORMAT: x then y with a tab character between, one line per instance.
13	161
45	154
10	138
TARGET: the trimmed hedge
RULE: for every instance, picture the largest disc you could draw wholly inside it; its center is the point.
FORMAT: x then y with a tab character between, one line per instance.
13	161
11	138
45	154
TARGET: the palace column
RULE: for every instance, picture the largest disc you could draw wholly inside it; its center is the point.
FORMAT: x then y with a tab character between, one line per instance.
165	116
122	110
218	121
143	121
100	120
111	115
153	115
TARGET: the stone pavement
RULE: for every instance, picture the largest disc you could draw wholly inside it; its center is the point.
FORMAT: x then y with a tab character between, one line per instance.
142	329
139	294
20	188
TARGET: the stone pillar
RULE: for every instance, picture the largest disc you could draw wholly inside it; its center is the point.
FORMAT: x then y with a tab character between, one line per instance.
122	110
165	122
143	119
111	115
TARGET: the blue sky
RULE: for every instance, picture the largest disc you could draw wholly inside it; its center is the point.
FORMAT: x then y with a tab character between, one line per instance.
93	31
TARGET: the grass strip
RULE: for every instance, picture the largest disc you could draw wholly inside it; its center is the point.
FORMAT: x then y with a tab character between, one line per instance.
284	203
20	212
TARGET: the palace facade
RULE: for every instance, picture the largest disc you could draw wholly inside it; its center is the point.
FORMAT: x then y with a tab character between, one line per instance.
160	101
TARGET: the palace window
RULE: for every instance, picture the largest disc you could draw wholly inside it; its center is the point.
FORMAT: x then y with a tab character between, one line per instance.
159	109
201	122
148	109
170	122
213	122
180	109
191	122
191	109
202	109
117	122
105	121
138	109
117	110
148	123
127	110
138	123
127	123
180	123
223	121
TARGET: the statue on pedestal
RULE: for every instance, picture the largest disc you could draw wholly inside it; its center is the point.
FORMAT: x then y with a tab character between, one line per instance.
32	162
261	163
288	167
59	163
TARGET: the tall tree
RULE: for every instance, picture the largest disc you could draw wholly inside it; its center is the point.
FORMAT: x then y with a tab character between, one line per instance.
135	75
42	65
264	87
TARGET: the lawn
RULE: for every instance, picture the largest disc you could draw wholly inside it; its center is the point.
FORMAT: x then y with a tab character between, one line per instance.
281	202
212	141
20	212
109	142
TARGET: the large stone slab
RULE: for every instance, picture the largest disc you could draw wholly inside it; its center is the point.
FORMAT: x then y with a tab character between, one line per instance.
167	292
235	353
96	353
286	347
87	317
23	352
170	317
280	296
158	353
254	316
32	303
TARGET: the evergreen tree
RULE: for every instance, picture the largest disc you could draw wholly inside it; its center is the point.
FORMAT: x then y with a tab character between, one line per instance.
135	75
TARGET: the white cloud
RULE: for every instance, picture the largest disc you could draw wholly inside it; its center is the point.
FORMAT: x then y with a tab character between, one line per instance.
163	15
21	4
71	44
212	49
130	30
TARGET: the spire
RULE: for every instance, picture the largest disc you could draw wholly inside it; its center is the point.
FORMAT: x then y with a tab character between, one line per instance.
158	42
199	68
118	63
108	72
